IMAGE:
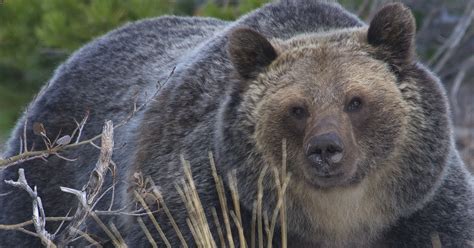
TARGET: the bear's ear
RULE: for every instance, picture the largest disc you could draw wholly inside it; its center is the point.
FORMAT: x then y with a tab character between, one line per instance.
250	52
392	32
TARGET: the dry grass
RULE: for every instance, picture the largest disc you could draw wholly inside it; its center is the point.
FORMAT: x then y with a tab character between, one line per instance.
263	223
198	222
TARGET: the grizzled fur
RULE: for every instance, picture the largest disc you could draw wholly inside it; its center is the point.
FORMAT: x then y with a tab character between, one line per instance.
230	94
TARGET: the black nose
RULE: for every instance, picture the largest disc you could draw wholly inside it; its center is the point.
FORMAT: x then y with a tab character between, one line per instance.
327	148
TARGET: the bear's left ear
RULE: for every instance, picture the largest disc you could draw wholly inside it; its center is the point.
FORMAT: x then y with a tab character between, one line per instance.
250	52
392	32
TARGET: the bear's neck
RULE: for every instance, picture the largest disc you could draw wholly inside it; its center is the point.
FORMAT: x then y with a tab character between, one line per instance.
339	217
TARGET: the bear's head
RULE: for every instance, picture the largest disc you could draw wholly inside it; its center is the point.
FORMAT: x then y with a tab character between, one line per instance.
360	118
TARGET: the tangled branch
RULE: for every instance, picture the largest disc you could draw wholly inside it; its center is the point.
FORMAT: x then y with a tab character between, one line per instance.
39	217
59	144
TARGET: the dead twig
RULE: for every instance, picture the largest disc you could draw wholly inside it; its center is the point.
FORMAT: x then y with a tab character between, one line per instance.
71	234
466	65
446	51
87	196
30	222
39	217
53	148
88	238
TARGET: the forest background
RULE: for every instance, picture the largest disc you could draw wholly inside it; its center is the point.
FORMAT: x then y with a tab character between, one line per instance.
36	36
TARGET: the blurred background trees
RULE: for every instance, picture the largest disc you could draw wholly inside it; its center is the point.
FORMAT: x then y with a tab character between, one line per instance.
36	36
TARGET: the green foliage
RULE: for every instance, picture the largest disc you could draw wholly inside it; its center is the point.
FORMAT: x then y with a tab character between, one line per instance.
67	24
36	36
228	11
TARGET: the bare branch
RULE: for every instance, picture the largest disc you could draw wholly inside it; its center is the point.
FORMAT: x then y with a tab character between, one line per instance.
85	210
30	222
93	187
428	19
444	53
96	179
52	149
39	218
80	127
5	194
62	223
88	238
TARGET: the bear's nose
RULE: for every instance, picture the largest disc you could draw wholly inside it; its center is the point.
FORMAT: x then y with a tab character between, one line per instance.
326	148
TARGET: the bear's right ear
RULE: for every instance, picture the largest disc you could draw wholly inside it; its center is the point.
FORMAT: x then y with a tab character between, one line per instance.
250	52
392	32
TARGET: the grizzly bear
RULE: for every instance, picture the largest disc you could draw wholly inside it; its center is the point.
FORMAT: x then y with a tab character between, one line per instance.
364	126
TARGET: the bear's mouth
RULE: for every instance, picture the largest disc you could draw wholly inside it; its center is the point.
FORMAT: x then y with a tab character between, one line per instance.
327	176
328	179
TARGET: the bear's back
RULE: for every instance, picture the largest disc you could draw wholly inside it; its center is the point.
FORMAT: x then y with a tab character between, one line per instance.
105	79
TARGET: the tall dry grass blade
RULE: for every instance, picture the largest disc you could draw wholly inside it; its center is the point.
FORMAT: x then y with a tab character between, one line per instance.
283	204
172	221
152	218
222	200
240	229
235	199
88	238
266	224
107	231
192	220
199	219
147	232
278	208
435	240
193	232
259	206
219	227
118	235
253	224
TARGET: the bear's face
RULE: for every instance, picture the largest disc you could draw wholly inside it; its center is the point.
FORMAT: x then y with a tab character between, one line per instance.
339	111
333	97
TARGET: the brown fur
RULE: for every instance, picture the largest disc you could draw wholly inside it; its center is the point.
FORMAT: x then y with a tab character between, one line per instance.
321	75
322	72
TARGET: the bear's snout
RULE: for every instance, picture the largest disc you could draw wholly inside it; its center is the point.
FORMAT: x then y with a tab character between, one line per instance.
325	148
328	148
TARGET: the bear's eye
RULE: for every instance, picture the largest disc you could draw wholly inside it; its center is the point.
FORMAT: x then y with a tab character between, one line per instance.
298	112
354	105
